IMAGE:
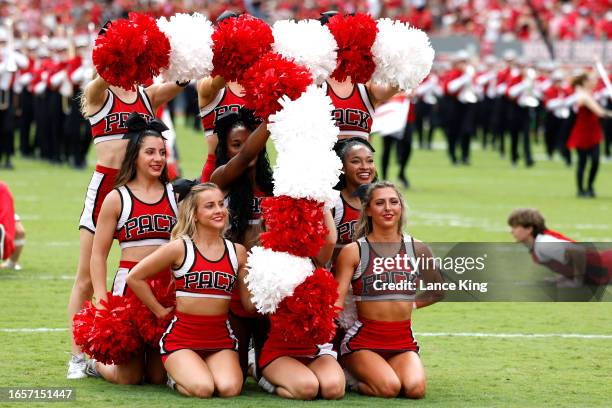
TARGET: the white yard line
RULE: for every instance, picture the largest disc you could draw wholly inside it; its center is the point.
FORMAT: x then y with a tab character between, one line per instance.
520	335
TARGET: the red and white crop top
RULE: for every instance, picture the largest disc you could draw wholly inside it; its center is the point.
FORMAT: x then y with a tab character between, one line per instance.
142	224
372	280
345	218
201	277
109	123
225	101
354	115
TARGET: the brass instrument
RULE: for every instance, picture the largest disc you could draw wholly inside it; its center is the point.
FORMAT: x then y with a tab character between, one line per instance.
528	98
468	93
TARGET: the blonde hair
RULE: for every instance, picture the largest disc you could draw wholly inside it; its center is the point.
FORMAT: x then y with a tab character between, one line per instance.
186	223
364	224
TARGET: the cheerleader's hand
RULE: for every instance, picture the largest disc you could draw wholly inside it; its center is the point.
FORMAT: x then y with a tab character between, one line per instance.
97	301
164	312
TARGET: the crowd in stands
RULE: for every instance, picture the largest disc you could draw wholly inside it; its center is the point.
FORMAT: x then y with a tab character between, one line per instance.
490	20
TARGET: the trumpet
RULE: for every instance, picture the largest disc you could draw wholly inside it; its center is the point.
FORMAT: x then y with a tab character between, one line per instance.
11	63
468	94
528	98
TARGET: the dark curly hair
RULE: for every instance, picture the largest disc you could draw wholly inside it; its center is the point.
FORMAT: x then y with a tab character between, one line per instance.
341	148
240	192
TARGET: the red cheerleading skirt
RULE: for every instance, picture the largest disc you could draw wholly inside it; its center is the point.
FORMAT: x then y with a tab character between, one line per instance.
120	288
275	347
202	334
102	182
384	338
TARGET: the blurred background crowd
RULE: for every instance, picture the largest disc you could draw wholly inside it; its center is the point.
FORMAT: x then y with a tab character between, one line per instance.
488	19
504	101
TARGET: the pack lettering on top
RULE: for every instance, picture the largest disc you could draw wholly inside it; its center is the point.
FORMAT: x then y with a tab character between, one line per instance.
203	280
116	120
149	223
352	117
220	110
346	231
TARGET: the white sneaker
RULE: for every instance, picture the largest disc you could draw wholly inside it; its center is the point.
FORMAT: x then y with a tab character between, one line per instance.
569	283
171	383
76	367
91	370
10	265
351	381
267	385
252	367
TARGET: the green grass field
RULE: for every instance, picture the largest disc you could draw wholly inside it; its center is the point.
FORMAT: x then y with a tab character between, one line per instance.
445	204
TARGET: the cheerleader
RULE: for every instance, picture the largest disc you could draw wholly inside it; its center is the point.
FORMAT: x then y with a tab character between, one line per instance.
243	173
7	223
379	350
303	371
573	263
358	169
199	350
216	97
354	104
140	213
586	134
107	109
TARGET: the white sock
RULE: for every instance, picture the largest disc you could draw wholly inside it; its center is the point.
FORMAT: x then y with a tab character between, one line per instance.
267	385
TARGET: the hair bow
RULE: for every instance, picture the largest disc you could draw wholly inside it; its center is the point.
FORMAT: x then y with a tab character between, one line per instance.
137	124
182	187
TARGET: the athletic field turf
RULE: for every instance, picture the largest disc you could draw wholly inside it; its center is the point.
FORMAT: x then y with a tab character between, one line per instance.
469	357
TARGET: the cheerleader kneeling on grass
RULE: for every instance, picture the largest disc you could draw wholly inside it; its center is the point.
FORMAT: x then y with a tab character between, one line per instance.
142	197
198	348
379	350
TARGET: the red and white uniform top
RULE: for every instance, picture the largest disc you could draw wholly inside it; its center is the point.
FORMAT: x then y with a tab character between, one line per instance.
371	278
203	278
450	76
549	249
143	224
225	101
109	123
256	212
345	218
354	114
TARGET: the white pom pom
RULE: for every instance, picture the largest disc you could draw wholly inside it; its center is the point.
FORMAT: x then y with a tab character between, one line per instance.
191	46
403	55
307	172
348	315
304	121
272	276
307	43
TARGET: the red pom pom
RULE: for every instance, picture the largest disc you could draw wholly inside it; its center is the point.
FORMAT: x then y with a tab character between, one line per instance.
108	334
237	44
307	233
355	36
131	52
271	77
149	326
307	317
